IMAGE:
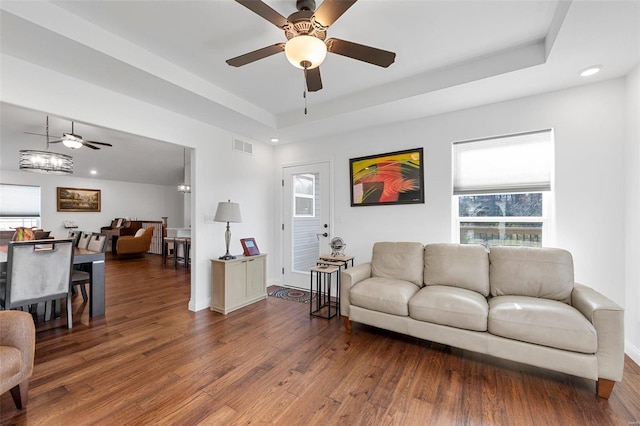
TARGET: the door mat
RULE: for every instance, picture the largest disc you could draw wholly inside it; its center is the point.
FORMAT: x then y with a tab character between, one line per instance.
289	294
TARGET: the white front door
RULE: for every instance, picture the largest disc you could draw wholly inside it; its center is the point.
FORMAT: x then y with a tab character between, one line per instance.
306	227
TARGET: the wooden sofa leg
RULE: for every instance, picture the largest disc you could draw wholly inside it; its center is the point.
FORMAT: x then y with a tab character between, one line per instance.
604	387
347	323
19	394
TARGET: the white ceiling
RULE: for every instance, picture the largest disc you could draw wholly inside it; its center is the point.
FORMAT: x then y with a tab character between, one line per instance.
450	55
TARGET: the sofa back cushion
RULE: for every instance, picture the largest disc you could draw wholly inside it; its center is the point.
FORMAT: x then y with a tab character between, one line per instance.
531	271
457	265
402	261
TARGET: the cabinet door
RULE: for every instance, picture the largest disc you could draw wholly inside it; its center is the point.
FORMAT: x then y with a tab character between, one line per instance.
256	277
235	283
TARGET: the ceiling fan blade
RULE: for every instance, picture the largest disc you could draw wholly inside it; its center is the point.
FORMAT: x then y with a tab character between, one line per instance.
58	141
247	58
37	134
88	145
312	76
262	9
99	143
330	10
372	55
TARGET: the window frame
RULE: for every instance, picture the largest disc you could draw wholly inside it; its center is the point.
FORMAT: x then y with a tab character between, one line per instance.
544	219
30	217
548	198
311	196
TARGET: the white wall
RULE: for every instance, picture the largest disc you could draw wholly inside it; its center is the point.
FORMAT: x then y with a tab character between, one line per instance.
217	173
589	124
632	220
119	199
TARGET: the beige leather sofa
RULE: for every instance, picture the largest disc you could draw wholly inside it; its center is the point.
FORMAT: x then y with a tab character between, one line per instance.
516	303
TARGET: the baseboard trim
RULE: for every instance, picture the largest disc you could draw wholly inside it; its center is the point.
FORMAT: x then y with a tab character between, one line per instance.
632	351
195	308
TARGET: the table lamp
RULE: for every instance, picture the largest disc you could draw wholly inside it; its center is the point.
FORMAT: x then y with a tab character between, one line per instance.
228	212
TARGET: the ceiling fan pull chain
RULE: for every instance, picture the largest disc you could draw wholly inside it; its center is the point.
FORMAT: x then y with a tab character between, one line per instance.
47	133
304	91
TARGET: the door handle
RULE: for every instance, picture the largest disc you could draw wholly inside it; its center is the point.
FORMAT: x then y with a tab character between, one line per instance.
325	234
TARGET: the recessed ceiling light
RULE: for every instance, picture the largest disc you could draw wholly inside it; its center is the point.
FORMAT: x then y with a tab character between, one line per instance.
94	172
274	140
594	69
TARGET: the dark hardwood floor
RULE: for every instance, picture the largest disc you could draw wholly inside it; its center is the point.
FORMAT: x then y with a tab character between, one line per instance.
151	361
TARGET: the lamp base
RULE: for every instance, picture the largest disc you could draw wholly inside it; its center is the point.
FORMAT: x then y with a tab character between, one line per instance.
226	257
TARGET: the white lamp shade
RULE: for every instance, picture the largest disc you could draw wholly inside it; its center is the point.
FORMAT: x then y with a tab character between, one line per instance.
305	48
228	212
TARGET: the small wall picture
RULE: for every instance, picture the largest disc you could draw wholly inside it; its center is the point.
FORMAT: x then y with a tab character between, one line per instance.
78	200
391	178
249	246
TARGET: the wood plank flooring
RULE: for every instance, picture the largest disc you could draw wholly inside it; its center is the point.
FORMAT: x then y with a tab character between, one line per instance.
151	361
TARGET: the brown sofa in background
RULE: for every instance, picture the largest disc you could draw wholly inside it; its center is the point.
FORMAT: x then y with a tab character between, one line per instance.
130	244
17	350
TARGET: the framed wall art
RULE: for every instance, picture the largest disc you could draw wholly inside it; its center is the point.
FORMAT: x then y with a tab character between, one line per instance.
391	178
78	200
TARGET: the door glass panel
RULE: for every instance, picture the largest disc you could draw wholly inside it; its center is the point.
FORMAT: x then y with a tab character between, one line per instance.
306	221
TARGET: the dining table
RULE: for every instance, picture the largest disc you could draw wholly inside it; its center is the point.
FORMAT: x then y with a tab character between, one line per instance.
95	261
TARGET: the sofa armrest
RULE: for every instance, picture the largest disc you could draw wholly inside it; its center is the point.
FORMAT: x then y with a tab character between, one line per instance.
349	277
608	319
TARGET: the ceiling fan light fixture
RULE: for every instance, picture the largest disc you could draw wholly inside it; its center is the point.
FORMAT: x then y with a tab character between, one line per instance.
71	141
305	49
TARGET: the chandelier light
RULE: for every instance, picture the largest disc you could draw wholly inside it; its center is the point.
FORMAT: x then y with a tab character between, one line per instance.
45	162
306	52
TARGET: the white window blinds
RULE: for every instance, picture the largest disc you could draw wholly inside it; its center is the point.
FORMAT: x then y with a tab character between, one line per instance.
513	163
19	201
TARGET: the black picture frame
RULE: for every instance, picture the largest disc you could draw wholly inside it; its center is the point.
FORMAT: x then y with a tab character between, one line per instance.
387	179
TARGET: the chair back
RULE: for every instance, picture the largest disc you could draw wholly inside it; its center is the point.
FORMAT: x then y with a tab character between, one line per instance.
38	271
75	236
83	242
98	242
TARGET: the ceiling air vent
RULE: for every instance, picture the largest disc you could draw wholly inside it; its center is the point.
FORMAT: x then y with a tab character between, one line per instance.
242	146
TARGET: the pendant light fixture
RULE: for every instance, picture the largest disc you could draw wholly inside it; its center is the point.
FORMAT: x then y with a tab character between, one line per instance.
45	161
185	188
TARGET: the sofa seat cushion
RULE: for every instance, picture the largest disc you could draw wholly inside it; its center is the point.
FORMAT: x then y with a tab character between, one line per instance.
457	265
542	322
452	306
11	361
386	295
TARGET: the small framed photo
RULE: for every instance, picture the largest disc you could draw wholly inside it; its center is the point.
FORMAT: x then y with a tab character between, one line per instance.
250	247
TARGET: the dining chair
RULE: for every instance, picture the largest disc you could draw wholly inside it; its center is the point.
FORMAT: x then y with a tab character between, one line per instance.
82	273
75	235
38	271
83	242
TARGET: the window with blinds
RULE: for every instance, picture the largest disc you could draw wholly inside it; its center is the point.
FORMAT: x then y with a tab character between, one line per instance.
502	189
19	206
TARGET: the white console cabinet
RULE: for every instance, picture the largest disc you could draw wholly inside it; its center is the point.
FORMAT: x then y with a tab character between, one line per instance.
238	282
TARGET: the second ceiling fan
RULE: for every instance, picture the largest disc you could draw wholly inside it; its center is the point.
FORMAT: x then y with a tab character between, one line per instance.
306	31
72	140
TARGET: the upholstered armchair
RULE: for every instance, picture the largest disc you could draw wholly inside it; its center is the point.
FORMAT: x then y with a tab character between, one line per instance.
17	350
139	243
